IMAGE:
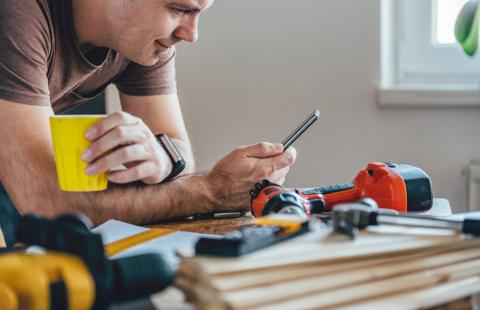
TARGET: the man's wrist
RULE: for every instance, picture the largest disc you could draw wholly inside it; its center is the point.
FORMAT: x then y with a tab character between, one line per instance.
186	152
175	158
209	193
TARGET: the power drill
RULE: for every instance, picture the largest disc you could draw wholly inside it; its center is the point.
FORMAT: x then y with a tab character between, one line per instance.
400	187
73	272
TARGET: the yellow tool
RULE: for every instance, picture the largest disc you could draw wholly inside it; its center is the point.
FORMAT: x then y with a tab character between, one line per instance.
74	272
26	281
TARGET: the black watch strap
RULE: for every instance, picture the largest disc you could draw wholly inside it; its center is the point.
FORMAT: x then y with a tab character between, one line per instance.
178	163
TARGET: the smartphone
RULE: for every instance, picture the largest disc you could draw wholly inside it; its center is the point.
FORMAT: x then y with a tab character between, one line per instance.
301	129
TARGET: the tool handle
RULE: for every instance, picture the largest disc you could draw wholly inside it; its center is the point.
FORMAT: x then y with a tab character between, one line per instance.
324	190
335	194
471	226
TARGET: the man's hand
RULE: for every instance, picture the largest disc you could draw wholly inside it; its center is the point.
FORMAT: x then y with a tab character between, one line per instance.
123	139
234	176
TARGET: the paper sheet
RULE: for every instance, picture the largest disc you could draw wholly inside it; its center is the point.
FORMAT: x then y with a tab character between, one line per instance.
180	241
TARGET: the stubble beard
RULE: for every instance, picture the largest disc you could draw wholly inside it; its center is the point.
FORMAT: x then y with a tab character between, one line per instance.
144	57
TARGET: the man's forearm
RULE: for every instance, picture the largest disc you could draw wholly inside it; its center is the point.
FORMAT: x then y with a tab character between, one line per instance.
139	204
226	187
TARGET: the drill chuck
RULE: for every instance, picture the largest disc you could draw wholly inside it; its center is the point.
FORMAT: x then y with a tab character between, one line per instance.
269	198
286	203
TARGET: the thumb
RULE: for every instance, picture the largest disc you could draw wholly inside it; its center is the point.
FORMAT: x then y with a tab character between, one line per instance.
263	149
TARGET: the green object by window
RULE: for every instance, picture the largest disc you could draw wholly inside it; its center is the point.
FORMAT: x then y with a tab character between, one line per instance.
466	27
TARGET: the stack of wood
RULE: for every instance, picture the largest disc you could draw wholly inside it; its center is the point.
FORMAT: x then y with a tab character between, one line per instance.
387	267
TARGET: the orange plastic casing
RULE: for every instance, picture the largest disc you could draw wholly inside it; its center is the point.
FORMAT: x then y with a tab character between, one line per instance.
376	181
270	191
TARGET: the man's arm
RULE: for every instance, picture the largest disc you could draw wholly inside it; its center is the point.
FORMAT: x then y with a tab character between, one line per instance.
27	171
162	114
127	138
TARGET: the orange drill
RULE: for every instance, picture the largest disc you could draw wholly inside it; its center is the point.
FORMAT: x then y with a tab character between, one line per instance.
400	187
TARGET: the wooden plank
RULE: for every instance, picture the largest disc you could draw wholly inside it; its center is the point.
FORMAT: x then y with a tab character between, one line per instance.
201	296
327	283
196	265
367	291
427	297
424	298
314	285
326	252
329	271
240	280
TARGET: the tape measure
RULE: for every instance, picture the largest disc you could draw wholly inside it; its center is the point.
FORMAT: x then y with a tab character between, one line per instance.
131	241
288	223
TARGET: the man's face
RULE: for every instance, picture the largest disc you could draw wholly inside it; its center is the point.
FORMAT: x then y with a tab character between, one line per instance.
144	30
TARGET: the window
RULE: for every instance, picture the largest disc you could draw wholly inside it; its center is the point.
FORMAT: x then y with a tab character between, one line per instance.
421	62
444	14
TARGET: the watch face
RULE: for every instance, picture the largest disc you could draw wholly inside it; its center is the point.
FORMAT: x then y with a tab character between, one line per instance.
170	148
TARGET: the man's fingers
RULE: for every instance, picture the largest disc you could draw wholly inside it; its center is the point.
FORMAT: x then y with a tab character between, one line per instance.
273	164
108	123
121	135
292	153
123	155
262	150
138	172
278	175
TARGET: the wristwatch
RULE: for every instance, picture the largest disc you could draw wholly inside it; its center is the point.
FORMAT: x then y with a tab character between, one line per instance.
178	163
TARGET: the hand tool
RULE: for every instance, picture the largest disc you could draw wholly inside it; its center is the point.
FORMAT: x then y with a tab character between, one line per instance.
218	215
348	218
73	272
399	187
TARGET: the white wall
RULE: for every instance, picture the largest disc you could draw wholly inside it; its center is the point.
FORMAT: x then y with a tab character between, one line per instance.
260	66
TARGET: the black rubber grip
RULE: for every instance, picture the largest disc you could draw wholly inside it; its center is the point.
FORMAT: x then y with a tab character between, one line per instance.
471	226
328	189
140	276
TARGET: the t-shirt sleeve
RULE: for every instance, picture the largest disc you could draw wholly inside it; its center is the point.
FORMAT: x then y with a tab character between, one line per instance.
159	79
25	44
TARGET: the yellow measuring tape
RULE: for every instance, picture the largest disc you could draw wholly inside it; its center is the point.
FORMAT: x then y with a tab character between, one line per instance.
288	225
128	242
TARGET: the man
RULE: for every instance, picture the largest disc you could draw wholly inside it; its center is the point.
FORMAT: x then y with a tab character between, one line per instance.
55	54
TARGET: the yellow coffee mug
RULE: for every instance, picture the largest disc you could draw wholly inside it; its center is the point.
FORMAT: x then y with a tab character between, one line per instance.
69	142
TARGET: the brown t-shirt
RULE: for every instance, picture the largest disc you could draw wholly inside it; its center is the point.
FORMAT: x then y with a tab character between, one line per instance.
42	64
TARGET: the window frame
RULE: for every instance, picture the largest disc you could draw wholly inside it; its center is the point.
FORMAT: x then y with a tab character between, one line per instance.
410	76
